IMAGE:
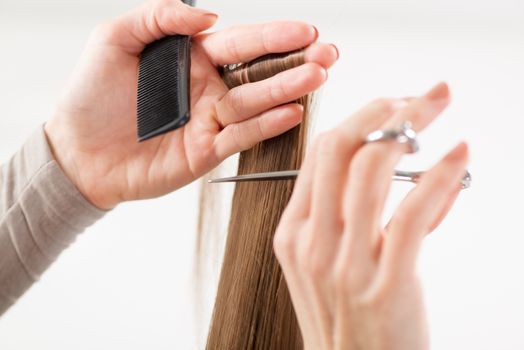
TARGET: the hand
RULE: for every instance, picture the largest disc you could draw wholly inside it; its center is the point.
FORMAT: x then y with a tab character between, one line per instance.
352	282
93	133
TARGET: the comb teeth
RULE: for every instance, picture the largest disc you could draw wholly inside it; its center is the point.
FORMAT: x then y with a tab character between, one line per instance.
163	86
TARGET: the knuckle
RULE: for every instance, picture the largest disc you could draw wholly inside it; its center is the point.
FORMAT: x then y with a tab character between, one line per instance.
277	92
104	31
167	3
319	140
259	129
412	114
235	101
167	14
369	301
154	22
366	163
284	246
316	265
266	41
350	276
332	143
383	105
329	143
180	16
404	218
231	46
162	5
238	137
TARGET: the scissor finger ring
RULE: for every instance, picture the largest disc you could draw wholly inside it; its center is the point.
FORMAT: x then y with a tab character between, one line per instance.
404	135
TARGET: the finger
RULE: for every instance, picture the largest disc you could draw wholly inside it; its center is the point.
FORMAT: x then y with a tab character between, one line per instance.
299	204
419	210
445	211
239	137
449	204
371	117
335	149
331	157
319	245
245	101
422	111
154	20
373	166
247	42
323	54
333	153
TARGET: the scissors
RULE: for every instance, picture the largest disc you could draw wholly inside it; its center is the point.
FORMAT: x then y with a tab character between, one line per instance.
403	135
405	176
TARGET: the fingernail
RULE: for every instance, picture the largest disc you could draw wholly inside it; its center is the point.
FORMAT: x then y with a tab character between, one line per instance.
204	12
292	106
212	16
315	32
458	152
337	52
290	114
438	92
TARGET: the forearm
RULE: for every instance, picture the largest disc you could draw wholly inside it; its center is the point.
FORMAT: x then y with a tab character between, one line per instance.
41	212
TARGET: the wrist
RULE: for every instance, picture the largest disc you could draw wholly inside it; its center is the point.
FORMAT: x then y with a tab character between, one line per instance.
66	154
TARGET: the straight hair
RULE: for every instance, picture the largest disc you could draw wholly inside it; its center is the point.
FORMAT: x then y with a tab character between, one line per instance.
253	308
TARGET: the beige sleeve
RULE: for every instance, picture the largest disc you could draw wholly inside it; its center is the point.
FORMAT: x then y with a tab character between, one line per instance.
41	212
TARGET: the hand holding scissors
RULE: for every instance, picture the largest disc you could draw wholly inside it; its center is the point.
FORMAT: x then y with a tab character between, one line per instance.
352	281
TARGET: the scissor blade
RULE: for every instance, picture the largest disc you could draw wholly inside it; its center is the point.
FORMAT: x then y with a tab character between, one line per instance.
271	176
409	176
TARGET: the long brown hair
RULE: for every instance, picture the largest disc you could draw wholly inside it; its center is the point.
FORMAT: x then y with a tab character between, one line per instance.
253	309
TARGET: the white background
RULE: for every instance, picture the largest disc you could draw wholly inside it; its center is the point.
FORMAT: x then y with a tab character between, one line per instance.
126	282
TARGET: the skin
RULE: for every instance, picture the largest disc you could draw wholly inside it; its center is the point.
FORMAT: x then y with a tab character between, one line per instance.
93	132
353	282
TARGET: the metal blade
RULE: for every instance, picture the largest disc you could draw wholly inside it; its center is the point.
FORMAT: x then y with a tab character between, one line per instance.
406	176
271	176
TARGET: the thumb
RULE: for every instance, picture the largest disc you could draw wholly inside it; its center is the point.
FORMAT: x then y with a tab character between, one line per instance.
152	21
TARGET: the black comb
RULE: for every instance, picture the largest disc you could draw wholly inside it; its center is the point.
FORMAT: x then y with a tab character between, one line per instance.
163	85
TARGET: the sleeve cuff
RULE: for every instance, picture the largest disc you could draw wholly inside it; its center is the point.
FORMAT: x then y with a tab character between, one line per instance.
54	209
53	192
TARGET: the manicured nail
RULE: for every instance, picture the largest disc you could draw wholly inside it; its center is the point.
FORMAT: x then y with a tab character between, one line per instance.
458	152
337	52
212	16
301	109
438	92
290	114
292	106
315	32
204	12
